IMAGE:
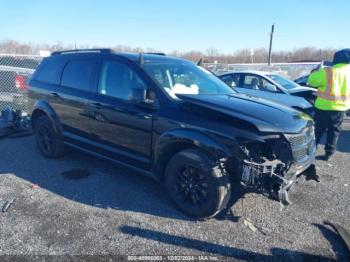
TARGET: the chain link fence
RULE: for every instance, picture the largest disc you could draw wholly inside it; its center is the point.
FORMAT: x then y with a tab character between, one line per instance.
15	73
290	70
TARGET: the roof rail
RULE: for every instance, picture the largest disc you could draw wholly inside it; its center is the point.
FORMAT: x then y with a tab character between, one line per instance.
156	53
101	50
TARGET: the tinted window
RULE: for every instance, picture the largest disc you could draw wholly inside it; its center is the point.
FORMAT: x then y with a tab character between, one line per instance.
50	71
78	74
117	80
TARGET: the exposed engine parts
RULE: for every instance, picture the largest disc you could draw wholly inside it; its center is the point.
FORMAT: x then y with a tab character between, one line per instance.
266	178
266	168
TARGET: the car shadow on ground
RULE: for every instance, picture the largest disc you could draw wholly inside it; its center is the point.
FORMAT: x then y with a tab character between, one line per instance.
335	240
277	254
104	185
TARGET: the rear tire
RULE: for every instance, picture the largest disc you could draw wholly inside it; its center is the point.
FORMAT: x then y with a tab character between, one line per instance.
197	184
48	140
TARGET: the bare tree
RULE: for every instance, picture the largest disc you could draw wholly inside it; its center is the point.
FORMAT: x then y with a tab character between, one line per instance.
305	54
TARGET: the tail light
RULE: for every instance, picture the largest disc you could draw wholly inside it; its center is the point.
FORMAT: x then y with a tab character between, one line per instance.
21	83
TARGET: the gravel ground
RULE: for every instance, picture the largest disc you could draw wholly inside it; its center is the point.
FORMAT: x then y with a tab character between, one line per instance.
115	211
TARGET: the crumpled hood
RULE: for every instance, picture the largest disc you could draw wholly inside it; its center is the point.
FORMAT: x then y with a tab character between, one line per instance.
267	116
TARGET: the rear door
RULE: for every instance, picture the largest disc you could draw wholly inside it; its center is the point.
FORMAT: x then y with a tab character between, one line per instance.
70	99
122	128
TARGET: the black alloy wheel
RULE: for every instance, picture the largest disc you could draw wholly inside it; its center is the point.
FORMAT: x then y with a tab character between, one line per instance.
45	139
197	183
49	141
191	186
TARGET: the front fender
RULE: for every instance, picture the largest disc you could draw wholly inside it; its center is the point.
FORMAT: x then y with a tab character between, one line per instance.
199	139
176	140
43	107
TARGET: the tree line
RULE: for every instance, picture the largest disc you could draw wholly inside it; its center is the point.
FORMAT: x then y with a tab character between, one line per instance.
211	55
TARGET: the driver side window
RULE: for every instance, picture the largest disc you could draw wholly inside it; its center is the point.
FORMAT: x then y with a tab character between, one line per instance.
117	80
253	82
257	82
267	86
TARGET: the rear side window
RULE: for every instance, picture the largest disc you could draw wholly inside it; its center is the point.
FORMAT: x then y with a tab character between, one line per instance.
50	71
78	74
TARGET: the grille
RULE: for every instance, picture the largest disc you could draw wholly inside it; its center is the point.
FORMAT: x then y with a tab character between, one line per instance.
303	144
297	140
299	154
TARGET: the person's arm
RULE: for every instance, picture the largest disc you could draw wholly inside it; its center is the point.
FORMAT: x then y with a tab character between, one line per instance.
317	79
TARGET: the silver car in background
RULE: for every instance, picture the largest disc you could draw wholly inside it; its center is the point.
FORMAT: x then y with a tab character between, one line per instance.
273	87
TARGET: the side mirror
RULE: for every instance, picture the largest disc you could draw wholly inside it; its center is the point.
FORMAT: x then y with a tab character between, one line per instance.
271	88
140	96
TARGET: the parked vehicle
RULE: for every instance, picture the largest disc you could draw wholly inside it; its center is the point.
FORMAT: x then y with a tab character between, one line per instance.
169	119
302	80
273	87
14	77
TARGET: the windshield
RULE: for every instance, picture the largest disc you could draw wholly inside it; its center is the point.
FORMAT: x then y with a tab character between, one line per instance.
284	82
181	77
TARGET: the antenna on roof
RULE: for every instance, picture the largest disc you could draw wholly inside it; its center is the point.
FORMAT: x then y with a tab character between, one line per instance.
200	62
141	61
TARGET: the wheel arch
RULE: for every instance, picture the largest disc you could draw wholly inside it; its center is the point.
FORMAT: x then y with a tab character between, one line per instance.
177	140
41	108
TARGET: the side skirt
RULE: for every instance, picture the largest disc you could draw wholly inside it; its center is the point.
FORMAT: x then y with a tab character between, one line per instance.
137	170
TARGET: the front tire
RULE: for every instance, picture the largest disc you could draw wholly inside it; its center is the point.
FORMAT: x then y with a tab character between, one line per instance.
50	142
197	184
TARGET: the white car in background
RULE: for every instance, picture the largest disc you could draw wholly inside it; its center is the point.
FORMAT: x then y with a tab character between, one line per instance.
271	86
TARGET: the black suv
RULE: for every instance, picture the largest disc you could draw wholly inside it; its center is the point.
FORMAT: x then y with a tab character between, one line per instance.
172	120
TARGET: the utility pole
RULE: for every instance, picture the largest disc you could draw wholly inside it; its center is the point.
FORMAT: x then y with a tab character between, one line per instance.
270	48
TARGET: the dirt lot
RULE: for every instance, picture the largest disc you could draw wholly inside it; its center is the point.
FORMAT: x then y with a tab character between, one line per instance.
115	211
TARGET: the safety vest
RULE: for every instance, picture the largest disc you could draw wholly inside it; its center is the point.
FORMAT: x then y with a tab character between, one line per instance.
333	86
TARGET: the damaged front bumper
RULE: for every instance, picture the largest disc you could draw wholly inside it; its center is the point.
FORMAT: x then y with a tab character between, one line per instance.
274	177
267	178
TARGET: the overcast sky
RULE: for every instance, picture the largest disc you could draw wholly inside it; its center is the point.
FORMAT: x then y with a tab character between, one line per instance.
182	25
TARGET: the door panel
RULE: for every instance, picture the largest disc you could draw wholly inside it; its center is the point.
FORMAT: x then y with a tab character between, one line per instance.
117	122
70	111
70	99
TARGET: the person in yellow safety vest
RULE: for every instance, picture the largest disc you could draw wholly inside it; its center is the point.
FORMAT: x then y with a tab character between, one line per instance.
333	99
